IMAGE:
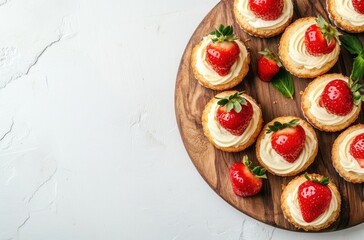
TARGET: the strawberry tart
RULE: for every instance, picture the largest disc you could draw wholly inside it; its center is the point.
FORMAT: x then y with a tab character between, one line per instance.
331	102
220	61
347	14
232	121
286	146
263	18
311	202
348	154
309	47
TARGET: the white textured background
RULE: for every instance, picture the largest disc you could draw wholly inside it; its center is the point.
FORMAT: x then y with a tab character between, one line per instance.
89	147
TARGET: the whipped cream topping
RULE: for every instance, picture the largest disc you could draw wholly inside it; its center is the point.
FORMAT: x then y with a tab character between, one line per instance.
294	207
320	113
225	139
277	163
208	73
298	52
347	161
258	23
346	10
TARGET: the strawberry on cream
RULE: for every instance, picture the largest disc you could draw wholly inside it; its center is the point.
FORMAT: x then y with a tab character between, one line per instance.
320	113
258	23
346	10
277	163
294	208
204	68
347	161
299	55
225	139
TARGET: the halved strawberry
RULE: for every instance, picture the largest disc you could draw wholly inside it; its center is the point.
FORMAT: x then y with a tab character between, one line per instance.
358	6
357	149
268	65
223	52
339	96
266	9
288	139
246	179
321	38
314	197
234	113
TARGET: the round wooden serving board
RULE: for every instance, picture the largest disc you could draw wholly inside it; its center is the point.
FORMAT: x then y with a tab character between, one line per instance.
213	164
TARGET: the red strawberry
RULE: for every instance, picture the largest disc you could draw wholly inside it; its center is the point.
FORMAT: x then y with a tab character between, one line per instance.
337	98
321	38
223	52
357	149
234	113
268	65
245	178
358	6
314	197
288	139
266	9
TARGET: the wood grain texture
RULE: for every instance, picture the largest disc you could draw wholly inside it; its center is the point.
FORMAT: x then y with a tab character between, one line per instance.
213	164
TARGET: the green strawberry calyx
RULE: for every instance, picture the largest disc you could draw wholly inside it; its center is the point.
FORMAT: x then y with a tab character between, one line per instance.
234	101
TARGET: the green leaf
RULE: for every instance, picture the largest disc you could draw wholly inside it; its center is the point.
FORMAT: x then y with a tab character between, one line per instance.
237	107
283	82
352	44
229	106
222	102
358	68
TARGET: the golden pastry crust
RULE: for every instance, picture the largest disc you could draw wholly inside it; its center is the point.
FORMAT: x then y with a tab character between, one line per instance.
287	60
285	120
235	81
207	131
348	176
339	21
252	30
292	185
306	105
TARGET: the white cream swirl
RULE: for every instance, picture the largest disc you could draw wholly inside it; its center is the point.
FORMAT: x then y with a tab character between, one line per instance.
299	55
258	23
208	73
294	207
321	114
276	162
225	139
347	161
346	10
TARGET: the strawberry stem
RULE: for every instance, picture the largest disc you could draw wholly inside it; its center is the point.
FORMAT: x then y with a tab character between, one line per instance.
234	101
324	181
258	171
223	34
271	55
357	90
279	126
328	31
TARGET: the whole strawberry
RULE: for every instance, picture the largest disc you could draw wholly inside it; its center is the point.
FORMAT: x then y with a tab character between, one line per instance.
234	113
223	52
314	197
357	149
358	6
268	65
266	9
288	139
246	179
339	96
321	38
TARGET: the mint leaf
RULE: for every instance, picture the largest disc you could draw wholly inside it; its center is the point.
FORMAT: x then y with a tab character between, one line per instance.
358	67
283	82
352	44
